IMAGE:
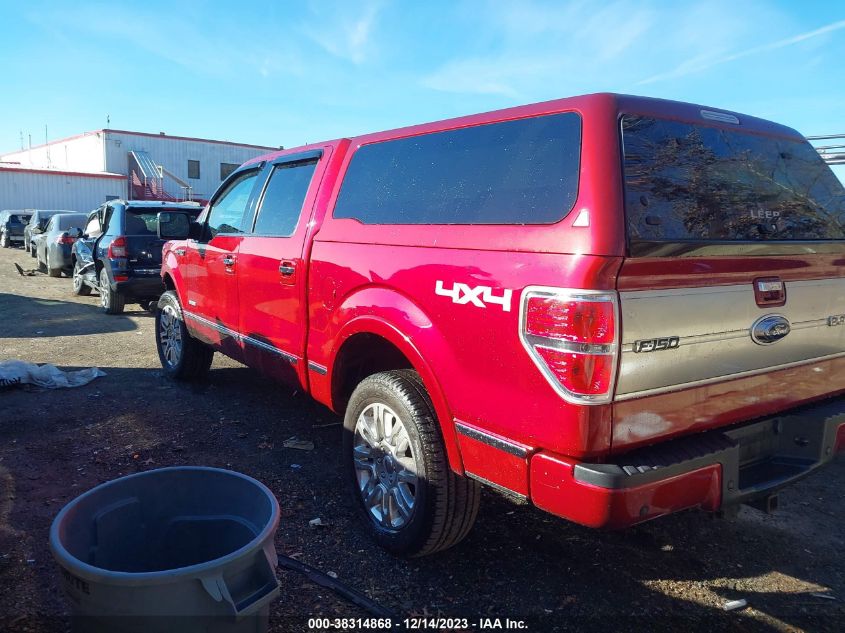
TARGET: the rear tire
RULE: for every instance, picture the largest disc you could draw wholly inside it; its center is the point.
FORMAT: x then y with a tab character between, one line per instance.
54	272
436	508
32	252
182	356
80	288
111	301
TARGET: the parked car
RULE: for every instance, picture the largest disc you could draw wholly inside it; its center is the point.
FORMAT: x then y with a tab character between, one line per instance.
12	225
38	220
53	245
119	252
612	307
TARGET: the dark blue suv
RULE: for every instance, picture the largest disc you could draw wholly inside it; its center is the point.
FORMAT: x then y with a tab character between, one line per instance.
119	252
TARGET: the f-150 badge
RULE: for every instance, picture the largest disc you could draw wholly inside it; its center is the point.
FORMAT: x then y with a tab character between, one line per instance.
656	344
478	296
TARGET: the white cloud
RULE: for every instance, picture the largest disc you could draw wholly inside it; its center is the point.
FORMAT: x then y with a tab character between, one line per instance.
539	43
705	62
345	30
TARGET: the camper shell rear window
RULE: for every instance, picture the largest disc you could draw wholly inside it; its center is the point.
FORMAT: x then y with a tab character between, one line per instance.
695	183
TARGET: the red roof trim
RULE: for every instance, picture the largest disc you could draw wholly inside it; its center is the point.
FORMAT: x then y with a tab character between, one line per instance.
107	130
56	142
191	138
54	172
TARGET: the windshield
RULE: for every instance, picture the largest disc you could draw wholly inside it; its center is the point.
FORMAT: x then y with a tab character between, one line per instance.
686	182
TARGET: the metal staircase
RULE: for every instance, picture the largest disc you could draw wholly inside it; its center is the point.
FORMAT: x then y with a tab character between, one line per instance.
146	180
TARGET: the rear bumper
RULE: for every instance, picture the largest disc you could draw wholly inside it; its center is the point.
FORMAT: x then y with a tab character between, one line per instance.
710	470
141	287
59	256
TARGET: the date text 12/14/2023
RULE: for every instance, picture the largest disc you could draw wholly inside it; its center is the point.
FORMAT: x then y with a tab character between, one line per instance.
416	623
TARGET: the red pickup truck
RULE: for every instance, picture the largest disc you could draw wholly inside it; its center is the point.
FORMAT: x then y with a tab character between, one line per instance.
610	306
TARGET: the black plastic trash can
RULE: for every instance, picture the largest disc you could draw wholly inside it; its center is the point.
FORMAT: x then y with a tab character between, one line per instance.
184	549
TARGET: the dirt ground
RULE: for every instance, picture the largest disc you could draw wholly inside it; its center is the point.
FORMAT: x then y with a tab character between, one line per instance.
518	563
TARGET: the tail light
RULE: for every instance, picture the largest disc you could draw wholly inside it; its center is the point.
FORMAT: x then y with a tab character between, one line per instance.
117	248
571	335
64	238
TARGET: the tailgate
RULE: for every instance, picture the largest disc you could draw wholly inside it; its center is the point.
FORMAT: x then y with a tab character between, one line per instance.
733	298
144	251
143	246
721	332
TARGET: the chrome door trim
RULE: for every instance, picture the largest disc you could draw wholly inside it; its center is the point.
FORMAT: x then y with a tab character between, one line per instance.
317	368
293	360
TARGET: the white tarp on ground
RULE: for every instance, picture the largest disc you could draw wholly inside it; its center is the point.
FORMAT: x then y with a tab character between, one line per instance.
17	372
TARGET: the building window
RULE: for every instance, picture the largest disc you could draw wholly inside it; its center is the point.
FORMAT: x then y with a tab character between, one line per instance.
194	169
226	170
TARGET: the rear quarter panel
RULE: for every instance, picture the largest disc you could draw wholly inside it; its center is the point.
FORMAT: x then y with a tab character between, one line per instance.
478	369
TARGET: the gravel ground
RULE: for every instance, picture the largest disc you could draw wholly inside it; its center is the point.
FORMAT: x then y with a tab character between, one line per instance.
517	563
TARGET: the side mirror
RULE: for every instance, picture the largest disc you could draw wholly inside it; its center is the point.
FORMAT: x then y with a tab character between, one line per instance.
173	226
79	233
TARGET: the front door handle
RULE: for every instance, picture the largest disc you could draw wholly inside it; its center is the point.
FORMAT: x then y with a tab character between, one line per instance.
229	260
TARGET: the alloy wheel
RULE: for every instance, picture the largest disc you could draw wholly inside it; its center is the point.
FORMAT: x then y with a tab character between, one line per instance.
77	278
170	335
104	290
385	468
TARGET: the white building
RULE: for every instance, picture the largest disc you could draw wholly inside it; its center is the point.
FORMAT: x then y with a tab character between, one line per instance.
80	172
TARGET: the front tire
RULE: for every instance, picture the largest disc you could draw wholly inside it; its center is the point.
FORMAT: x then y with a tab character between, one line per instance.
411	501
111	301
80	288
182	356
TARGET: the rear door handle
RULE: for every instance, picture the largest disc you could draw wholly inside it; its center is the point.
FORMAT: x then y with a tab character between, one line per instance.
229	261
287	269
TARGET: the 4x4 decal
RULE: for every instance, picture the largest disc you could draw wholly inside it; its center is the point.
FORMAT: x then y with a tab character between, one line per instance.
478	296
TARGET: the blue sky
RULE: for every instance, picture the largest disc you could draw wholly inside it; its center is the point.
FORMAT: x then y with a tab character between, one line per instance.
287	73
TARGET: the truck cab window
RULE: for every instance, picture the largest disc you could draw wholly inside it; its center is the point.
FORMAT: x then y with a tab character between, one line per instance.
227	212
281	204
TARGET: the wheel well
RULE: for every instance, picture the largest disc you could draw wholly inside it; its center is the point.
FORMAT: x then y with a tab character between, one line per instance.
362	355
168	283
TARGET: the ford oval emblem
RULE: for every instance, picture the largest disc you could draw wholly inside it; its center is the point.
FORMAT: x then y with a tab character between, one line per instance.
769	329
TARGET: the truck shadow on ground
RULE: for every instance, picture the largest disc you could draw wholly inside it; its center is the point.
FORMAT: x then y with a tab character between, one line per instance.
24	317
517	563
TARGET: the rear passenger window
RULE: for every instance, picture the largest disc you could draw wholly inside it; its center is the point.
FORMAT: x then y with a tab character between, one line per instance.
227	212
281	204
514	172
